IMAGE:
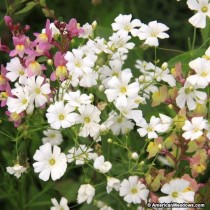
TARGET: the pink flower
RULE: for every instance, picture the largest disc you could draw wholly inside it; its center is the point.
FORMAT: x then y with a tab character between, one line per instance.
14	117
21	44
3	80
44	37
60	63
73	29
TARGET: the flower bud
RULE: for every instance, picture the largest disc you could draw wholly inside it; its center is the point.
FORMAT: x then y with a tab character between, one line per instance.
135	156
164	66
101	88
49	62
109	140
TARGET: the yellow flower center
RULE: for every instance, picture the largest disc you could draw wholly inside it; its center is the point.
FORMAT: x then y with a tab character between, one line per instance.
37	90
116	74
52	161
61	71
189	90
203	74
61	117
123	89
20	47
21	72
204	9
87	119
133	190
149	129
43	37
77	64
120	119
24	101
127	27
175	194
52	136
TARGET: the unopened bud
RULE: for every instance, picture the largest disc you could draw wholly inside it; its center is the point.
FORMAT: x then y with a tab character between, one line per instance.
101	88
141	163
141	78
91	97
160	146
109	140
170	106
135	156
94	24
164	66
49	62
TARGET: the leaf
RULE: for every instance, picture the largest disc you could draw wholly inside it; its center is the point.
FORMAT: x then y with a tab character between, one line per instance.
27	8
43	3
102	31
185	58
48	13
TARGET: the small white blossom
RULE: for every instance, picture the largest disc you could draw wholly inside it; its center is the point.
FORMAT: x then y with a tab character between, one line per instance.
151	32
190	95
201	66
60	115
202	8
101	165
54	137
124	24
63	205
112	183
178	191
16	170
133	190
194	129
49	162
86	193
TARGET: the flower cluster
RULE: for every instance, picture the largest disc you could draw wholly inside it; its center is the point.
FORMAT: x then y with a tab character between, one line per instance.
87	100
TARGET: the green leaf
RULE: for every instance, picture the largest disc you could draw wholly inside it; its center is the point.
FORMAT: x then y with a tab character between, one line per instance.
27	8
185	58
42	3
48	13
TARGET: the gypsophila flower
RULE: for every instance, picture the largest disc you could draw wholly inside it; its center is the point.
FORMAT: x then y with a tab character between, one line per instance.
133	190
151	32
60	115
124	24
194	129
101	165
178	191
201	66
50	162
86	193
112	183
202	8
190	95
80	154
53	137
63	205
16	170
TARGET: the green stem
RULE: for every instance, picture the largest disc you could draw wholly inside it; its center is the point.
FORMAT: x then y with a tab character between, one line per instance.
194	37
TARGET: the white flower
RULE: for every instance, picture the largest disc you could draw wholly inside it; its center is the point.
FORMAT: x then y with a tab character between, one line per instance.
118	123
178	191
120	90
112	183
37	90
123	23
80	154
164	124
202	68
202	8
119	42
50	162
60	116
78	62
103	206
76	99
144	66
54	29
194	129
16	170
190	95
133	190
87	31
20	103
90	118
107	72
151	32
53	137
16	70
101	165
86	193
149	129
63	205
